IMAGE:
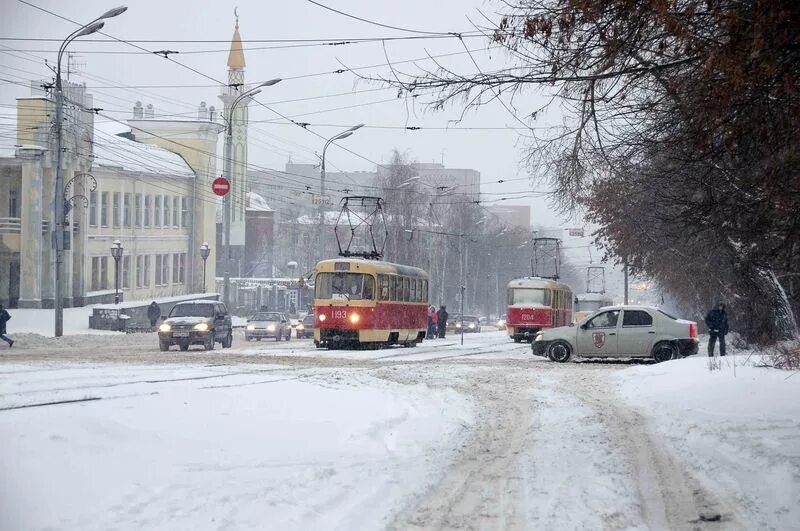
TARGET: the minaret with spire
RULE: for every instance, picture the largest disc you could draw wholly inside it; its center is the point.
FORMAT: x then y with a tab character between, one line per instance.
239	184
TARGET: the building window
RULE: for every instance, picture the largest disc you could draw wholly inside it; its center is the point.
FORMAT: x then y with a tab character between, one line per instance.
115	209
93	209
103	272
176	213
184	211
104	209
167	212
12	204
148	205
165	269
182	266
157	218
146	277
126	210
139	210
125	281
95	273
139	271
158	270
176	268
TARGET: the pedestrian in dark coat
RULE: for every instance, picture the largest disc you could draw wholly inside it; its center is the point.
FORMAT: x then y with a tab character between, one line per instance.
717	323
153	313
4	318
442	324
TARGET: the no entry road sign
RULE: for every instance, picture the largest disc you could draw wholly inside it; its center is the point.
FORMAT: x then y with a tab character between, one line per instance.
221	186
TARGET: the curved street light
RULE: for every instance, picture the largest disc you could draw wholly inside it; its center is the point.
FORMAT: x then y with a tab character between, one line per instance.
340	136
228	173
58	203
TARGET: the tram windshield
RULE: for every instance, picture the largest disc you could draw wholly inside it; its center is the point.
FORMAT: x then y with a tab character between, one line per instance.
535	296
345	286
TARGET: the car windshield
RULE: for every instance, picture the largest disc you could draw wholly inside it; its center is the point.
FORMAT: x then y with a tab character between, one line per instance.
266	316
192	310
308	319
668	315
345	286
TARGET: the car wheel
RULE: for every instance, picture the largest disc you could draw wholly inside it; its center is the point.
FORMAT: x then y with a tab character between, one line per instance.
517	340
559	351
184	346
209	344
278	337
228	340
162	346
664	351
288	336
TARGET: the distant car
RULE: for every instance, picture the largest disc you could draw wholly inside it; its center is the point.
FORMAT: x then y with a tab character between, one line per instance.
306	327
620	331
500	324
471	324
264	325
196	323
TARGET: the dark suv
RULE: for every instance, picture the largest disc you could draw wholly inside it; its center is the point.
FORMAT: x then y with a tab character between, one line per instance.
196	323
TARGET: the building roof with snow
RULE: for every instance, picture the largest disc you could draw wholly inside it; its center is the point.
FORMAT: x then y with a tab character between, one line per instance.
256	203
136	157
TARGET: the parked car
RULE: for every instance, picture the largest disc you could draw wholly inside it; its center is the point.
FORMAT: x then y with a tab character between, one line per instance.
264	325
471	324
196	323
306	327
620	331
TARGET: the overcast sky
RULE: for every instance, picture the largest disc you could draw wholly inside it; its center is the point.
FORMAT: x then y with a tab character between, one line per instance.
118	79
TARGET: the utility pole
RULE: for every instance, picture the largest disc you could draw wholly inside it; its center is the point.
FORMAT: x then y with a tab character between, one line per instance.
625	273
59	214
228	174
340	136
462	245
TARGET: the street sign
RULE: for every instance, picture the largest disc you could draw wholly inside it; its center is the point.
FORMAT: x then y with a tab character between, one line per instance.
576	232
221	186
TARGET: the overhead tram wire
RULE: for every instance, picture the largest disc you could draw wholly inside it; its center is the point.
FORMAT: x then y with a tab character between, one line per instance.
379	24
222	83
321	40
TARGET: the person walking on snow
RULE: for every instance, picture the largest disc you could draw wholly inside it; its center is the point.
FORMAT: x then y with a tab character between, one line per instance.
153	313
717	323
442	321
4	317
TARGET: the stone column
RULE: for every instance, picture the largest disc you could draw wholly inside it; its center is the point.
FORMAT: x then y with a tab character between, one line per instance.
31	237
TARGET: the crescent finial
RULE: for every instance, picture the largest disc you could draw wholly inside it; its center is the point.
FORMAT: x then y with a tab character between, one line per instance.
236	14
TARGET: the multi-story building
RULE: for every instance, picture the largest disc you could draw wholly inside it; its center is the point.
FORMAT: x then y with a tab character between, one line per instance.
152	199
514	215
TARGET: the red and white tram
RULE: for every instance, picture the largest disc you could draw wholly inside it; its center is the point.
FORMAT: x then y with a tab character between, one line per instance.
535	303
369	303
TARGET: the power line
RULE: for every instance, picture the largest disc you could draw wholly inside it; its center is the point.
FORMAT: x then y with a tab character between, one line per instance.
348	15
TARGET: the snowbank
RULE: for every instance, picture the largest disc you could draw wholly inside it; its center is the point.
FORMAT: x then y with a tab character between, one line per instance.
739	431
217	447
42	322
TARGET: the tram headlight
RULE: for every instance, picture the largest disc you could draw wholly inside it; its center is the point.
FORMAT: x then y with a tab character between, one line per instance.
355	318
322	317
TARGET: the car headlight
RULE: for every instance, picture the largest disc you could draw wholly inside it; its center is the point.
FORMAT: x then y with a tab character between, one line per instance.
355	318
251	327
164	327
301	327
201	327
472	325
271	328
458	325
322	318
538	337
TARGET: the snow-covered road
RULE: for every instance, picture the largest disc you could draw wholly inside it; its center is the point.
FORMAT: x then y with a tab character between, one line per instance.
106	432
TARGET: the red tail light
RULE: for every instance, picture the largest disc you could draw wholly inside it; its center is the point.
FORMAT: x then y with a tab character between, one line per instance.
692	330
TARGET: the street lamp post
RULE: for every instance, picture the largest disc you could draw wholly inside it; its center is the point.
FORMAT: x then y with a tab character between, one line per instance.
227	173
340	136
59	212
205	251
116	253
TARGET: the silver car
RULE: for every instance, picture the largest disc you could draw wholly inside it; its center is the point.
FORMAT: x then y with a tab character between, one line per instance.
264	325
620	331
